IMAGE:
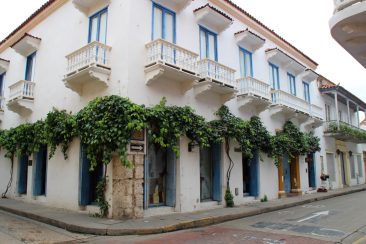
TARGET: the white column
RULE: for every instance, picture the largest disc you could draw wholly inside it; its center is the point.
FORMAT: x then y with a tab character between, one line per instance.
358	117
349	113
336	107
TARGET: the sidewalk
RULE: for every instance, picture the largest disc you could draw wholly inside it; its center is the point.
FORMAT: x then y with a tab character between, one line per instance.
83	223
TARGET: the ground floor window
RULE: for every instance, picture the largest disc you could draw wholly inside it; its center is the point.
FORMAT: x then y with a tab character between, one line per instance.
331	167
359	166
22	174
210	173
310	159
40	172
88	179
160	177
352	167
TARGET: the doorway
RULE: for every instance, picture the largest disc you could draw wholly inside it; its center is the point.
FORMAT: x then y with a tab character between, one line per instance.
210	173
160	177
22	174
286	174
311	170
89	179
343	172
251	176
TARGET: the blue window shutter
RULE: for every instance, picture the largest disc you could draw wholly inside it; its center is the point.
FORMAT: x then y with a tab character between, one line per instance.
40	172
22	174
84	192
254	175
171	178
216	172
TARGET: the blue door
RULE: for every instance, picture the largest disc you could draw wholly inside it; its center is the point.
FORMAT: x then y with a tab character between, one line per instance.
311	170
216	172
22	174
88	179
286	174
40	172
254	175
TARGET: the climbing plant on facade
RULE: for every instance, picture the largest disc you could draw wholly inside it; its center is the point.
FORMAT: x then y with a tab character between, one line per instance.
60	130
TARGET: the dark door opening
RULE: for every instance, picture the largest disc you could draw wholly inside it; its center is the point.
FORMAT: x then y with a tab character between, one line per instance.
251	176
205	174
343	173
23	174
311	170
286	174
40	172
89	179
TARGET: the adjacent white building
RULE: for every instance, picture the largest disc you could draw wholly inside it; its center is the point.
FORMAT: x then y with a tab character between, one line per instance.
198	53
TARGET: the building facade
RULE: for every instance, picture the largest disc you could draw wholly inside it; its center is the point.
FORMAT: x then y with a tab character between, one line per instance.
199	53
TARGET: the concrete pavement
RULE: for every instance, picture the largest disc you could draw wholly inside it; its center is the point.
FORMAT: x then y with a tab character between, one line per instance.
83	223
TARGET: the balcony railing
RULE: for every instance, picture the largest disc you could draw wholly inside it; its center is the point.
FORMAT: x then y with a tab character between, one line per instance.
22	90
210	69
93	54
163	51
283	98
252	86
345	132
339	5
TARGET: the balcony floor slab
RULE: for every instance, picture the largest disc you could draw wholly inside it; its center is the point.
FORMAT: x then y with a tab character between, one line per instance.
208	86
21	106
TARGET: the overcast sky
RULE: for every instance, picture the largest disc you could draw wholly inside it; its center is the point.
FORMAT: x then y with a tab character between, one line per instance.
302	23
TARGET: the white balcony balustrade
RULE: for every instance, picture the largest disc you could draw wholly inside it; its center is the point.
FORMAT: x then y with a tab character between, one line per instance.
168	62
21	97
344	131
339	5
295	107
216	78
253	93
88	66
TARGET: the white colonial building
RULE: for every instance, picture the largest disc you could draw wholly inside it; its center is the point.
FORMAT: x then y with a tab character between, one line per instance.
198	53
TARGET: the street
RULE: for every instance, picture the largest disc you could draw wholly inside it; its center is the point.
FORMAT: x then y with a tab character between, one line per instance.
336	220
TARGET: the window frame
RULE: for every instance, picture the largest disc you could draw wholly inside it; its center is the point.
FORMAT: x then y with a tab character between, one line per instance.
98	15
306	87
243	61
277	69
30	62
207	33
292	83
164	11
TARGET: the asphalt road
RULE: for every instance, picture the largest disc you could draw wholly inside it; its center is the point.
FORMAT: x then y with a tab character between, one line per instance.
336	220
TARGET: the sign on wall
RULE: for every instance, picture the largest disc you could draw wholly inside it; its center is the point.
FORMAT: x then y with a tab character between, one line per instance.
138	142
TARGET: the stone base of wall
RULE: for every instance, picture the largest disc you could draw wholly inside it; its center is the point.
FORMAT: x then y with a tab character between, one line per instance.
127	188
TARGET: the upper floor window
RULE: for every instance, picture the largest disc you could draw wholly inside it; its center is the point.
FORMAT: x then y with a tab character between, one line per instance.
327	112
208	44
246	63
98	26
292	83
30	67
274	76
306	91
163	23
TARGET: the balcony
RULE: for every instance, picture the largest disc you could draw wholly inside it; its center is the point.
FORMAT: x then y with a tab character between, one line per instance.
167	62
279	57
215	79
212	18
176	5
4	65
88	66
253	93
348	27
344	132
249	40
291	106
87	6
21	97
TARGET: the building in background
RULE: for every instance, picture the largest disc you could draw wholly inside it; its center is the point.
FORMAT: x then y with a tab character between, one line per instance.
348	27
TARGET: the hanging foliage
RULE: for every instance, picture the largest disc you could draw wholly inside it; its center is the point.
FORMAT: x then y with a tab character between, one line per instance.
168	123
105	126
60	130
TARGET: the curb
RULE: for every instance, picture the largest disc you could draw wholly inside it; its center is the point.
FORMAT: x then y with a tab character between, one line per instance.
169	228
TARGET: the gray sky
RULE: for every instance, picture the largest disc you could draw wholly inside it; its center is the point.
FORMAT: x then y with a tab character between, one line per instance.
302	23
